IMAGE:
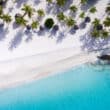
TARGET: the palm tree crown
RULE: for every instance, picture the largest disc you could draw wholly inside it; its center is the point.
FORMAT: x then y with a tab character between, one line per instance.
61	2
28	10
73	8
108	10
49	1
6	18
107	22
96	22
40	12
83	2
21	21
1	10
61	16
34	24
82	15
93	10
70	21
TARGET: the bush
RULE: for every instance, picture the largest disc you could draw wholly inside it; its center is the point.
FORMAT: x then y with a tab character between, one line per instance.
49	23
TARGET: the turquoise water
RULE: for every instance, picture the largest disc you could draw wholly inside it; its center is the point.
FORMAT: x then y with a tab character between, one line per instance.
81	88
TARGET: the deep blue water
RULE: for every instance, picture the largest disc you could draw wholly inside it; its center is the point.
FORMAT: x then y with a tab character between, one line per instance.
81	88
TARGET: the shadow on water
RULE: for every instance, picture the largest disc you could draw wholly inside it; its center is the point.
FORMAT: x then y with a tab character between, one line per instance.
15	42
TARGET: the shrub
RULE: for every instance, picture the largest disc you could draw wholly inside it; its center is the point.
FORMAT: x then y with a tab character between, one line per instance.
49	23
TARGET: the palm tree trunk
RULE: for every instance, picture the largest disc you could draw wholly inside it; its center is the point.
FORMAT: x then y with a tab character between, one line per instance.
24	14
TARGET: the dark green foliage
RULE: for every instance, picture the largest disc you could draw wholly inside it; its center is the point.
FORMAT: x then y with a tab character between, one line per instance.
49	23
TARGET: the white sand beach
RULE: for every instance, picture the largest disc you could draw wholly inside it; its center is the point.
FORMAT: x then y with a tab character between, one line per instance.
24	58
21	70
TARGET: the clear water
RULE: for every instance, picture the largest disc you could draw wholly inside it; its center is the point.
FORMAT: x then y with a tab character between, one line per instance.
81	88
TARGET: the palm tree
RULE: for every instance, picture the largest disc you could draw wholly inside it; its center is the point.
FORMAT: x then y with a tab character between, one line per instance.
49	1
95	33
96	22
105	34
28	10
70	22
93	9
21	21
61	2
1	10
82	15
73	8
108	10
34	24
83	2
97	25
40	12
107	22
6	18
61	16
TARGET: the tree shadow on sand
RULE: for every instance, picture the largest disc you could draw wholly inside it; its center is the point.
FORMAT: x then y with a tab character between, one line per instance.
36	2
55	9
28	36
20	2
89	43
61	36
67	5
3	33
15	42
89	4
15	25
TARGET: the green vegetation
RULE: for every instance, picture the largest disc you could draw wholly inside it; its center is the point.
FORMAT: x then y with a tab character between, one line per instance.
6	18
40	12
73	8
96	22
61	16
98	30
95	33
93	10
105	34
83	2
34	24
49	1
61	2
107	22
31	17
21	21
1	10
49	23
82	15
108	9
70	22
28	10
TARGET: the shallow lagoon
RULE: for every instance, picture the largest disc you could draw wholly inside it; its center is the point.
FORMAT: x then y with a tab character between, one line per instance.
81	88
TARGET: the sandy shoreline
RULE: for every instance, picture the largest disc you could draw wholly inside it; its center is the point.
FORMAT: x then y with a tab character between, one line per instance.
27	69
